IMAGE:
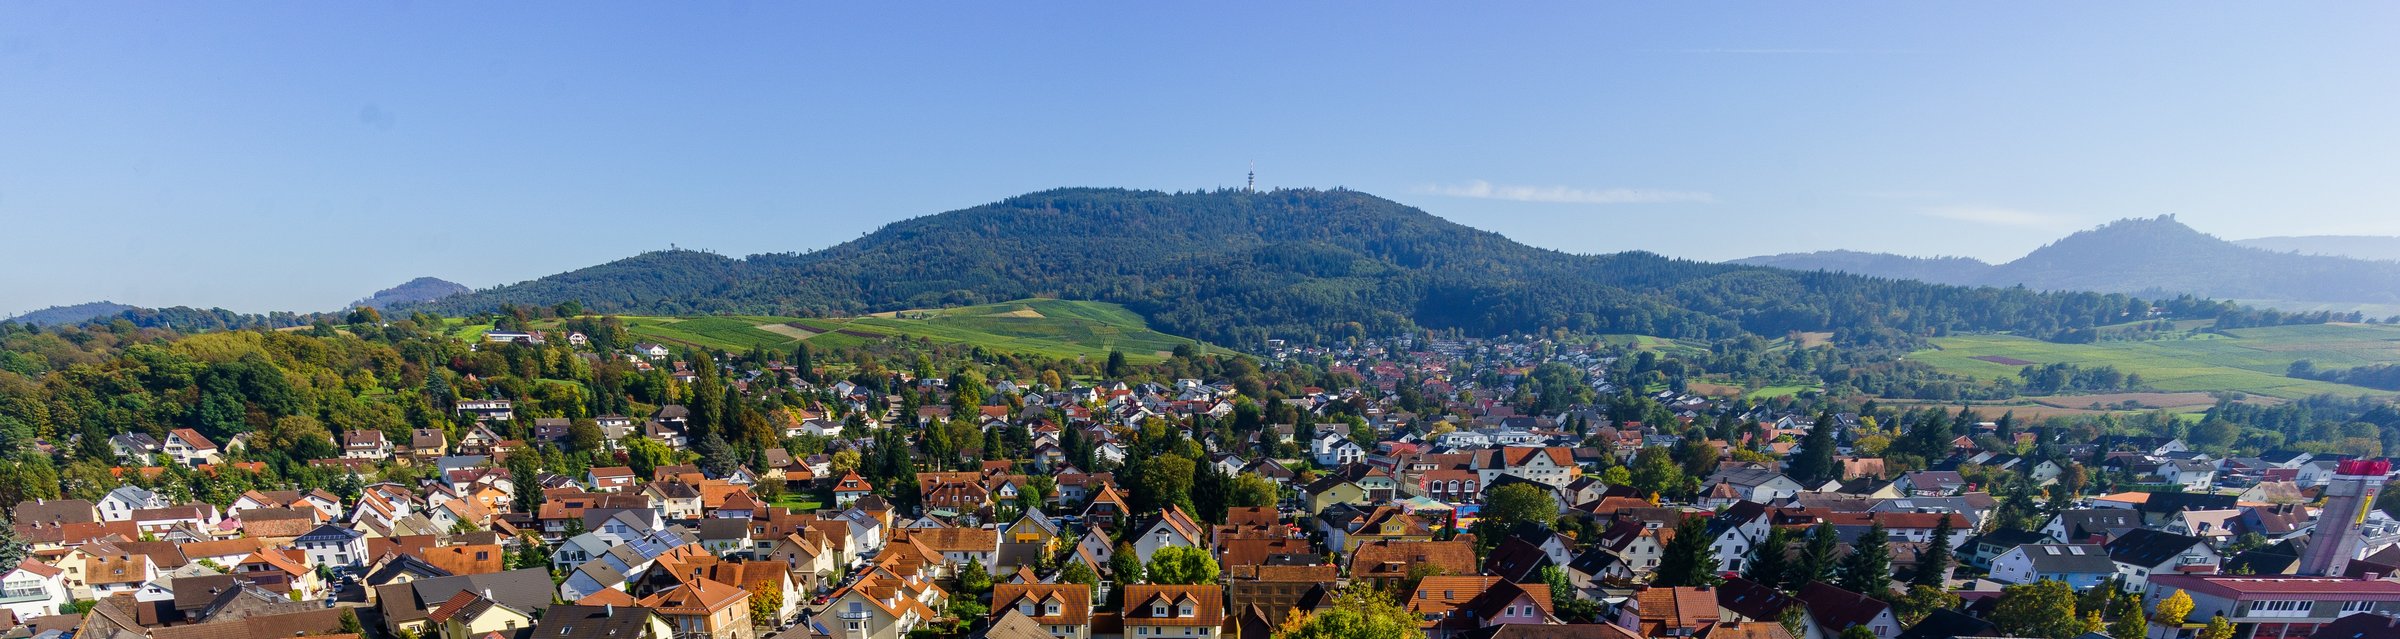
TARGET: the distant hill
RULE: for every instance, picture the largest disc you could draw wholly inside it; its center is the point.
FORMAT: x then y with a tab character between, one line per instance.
2151	257
76	314
2365	247
1945	270
423	289
1238	267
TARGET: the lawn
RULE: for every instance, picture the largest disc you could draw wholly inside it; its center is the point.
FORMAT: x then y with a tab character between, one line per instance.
799	500
2250	360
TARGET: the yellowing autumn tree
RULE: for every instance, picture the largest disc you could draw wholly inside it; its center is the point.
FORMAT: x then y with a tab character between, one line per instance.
1359	613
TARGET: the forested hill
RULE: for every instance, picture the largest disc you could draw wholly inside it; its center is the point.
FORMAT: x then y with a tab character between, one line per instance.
1939	270
75	314
1239	267
423	289
2155	256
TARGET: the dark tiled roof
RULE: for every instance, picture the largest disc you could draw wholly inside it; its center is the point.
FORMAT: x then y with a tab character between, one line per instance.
593	622
1833	607
2146	547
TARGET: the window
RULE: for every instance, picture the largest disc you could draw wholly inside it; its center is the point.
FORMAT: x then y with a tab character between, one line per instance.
2356	606
2281	608
1158	611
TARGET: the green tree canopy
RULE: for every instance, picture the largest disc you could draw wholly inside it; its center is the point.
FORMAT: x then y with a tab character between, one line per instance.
1182	565
1687	560
2043	609
1358	612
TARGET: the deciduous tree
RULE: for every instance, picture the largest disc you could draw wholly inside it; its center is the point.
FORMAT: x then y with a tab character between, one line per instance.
1182	565
2043	609
1358	612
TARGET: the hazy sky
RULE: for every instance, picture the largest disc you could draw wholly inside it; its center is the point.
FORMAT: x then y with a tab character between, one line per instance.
262	155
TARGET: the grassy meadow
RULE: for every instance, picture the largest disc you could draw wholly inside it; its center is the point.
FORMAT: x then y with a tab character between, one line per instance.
2249	360
1054	328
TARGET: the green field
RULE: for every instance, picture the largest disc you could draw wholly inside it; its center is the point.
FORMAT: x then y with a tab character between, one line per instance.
1782	391
1660	345
2250	360
1054	328
1057	328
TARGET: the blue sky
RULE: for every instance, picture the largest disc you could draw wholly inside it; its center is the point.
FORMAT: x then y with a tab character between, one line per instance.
263	156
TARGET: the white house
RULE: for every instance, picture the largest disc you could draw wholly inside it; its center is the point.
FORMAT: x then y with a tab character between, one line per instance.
1553	466
1334	449
120	504
2079	565
2192	475
333	546
33	589
1170	528
187	447
2143	552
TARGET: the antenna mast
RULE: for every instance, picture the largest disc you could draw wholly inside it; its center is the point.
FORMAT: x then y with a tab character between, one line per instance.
1253	185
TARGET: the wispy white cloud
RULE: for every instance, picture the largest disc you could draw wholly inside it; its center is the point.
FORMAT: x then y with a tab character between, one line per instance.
1567	194
2000	216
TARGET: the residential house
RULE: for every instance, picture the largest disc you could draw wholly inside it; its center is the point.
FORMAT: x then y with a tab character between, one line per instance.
427	444
603	622
331	546
122	502
1504	602
282	571
850	489
1159	610
1553	466
1171	527
470	615
33	589
884	605
2190	474
365	444
2091	526
1748	483
1930	483
1335	449
110	570
703	609
609	479
1384	563
188	447
487	410
1834	610
2144	553
409	605
1062	610
1276	589
2079	565
1671	612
